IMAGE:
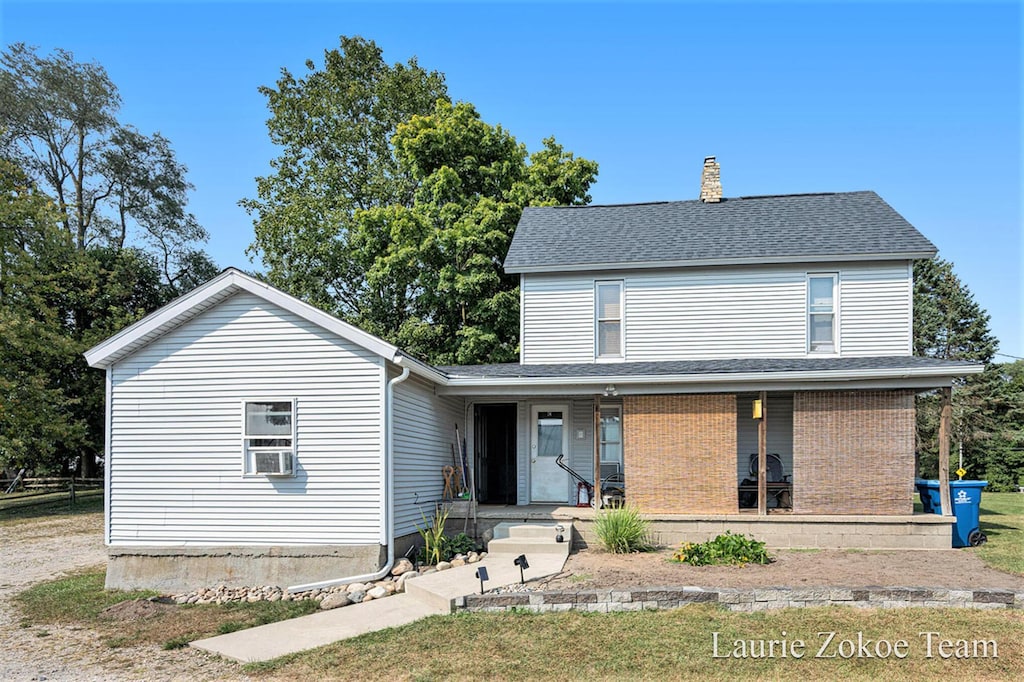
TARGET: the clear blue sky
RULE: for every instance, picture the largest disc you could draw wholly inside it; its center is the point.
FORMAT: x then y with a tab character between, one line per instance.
920	102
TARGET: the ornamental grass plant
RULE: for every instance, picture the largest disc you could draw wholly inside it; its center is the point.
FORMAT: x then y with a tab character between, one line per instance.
622	530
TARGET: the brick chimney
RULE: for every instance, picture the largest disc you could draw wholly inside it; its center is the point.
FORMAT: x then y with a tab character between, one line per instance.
710	182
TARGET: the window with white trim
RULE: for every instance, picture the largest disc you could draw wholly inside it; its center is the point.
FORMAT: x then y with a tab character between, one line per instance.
268	437
821	313
610	440
608	319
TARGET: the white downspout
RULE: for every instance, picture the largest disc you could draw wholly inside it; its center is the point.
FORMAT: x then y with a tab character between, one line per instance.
387	495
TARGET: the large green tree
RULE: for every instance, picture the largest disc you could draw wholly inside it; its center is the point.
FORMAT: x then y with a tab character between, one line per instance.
334	128
451	300
394	208
113	186
949	324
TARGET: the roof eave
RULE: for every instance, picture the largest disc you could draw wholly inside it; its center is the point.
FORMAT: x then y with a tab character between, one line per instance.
708	262
945	373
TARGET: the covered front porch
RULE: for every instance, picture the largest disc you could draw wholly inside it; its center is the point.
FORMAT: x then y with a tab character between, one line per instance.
816	452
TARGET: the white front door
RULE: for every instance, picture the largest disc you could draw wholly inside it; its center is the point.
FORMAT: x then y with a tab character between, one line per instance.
549	438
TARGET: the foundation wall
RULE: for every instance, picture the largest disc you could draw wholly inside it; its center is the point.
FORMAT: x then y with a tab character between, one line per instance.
180	569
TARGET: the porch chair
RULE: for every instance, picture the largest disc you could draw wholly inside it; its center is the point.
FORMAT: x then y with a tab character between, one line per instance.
775	474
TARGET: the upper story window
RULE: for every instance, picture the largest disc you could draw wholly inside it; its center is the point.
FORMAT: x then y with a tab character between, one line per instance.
821	313
268	437
608	316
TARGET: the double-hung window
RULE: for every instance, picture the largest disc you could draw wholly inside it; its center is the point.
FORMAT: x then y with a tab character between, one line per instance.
608	318
268	437
821	312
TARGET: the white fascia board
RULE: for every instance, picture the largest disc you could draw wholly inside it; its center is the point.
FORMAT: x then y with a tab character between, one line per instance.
932	376
228	282
421	368
506	393
705	262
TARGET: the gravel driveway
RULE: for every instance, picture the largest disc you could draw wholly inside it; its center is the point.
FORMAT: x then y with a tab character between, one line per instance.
39	549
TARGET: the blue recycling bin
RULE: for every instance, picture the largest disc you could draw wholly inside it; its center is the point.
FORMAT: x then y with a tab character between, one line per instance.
965	496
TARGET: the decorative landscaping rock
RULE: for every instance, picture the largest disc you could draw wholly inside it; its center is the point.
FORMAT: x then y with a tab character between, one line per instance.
403	565
472	558
333	601
458	562
377	593
357	596
356	587
443	565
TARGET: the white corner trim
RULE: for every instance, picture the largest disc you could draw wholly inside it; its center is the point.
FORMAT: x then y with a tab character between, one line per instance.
108	421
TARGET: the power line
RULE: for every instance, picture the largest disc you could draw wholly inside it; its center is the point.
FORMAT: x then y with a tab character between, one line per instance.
1007	355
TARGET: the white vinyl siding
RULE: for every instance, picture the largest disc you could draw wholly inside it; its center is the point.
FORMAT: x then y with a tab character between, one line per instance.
712	313
875	310
175	473
424	433
720	313
558	319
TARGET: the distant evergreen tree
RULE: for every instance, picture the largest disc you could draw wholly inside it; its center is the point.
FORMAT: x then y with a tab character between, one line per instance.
949	324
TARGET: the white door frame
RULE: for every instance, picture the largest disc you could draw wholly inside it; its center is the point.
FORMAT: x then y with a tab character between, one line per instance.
562	476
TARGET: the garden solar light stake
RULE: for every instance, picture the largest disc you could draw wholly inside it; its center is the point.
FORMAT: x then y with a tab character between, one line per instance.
482	574
522	563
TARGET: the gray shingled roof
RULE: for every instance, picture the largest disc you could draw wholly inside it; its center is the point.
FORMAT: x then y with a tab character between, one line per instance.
684	367
767	229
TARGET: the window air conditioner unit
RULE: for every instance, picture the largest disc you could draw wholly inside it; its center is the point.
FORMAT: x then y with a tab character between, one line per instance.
273	462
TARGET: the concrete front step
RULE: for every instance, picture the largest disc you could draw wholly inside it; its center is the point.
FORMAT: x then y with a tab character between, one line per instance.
546	530
527	546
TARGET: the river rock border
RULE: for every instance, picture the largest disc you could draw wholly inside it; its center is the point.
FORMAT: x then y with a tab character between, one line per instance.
734	599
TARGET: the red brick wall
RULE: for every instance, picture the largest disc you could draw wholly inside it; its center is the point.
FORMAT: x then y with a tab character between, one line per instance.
853	452
680	453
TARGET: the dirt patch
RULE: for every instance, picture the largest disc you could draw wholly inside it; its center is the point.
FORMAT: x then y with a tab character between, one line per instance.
958	569
135	609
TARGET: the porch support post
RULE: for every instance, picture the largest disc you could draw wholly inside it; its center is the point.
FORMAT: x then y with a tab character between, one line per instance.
944	430
762	457
596	502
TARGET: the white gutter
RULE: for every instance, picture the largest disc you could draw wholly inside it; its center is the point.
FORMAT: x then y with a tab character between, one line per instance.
387	496
719	378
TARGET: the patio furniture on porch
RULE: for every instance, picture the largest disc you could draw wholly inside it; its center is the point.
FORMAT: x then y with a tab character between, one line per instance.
779	486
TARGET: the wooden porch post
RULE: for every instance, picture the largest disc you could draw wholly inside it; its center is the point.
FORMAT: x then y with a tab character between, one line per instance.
944	429
762	457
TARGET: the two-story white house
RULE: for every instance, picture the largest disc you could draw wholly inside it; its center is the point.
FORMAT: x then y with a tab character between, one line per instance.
740	363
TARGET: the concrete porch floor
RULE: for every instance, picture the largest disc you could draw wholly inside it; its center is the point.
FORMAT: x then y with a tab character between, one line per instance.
780	529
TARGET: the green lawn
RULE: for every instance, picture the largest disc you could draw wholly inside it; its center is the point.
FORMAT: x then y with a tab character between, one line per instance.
666	645
80	599
1002	520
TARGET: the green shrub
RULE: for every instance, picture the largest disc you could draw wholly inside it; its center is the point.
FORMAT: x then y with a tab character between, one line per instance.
622	530
460	544
737	550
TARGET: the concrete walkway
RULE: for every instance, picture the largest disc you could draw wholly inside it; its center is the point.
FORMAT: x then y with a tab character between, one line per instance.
425	595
